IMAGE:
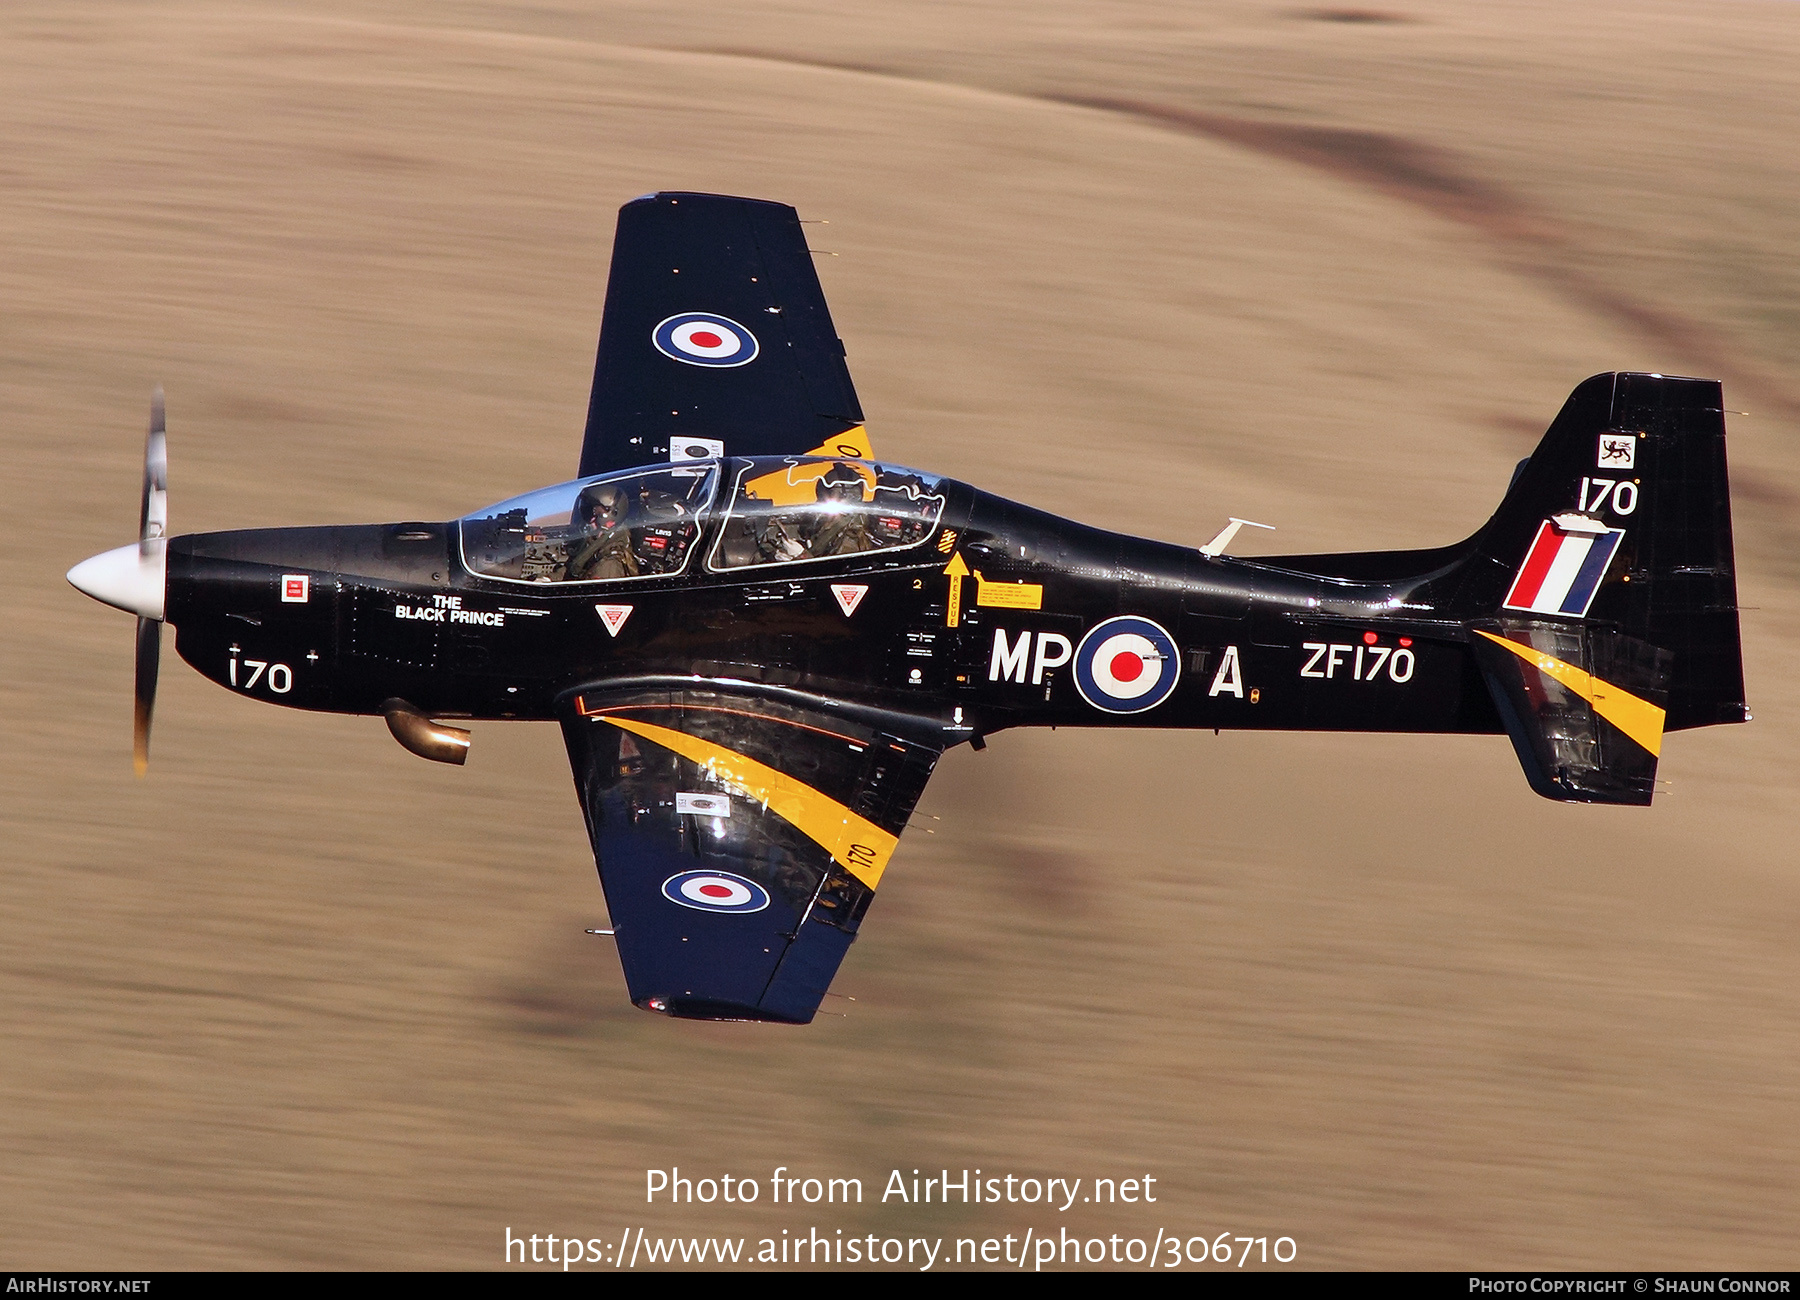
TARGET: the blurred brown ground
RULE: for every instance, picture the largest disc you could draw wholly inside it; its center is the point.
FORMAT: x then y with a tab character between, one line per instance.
301	1000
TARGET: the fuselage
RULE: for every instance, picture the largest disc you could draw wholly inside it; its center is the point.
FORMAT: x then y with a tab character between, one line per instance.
985	615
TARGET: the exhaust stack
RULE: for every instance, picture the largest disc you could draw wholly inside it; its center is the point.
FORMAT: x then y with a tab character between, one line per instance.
418	734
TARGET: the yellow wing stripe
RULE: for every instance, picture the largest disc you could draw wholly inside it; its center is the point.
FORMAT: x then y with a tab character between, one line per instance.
1637	718
854	842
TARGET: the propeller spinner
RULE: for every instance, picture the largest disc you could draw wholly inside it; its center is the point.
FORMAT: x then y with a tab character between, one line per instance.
135	578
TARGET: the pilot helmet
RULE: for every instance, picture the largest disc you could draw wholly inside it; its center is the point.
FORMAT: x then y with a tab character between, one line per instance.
839	486
603	506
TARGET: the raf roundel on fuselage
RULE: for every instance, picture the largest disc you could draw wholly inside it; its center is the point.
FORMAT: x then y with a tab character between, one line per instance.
1127	665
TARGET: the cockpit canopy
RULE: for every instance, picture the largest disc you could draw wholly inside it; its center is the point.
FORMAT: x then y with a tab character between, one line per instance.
639	524
792	510
647	523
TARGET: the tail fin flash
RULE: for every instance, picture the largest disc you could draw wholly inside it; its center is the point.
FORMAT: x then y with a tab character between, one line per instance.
1602	594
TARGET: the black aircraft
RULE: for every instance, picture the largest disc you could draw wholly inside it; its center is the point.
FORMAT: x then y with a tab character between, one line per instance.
758	638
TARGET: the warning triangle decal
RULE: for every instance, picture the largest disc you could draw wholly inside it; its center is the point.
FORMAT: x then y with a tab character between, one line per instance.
848	596
613	616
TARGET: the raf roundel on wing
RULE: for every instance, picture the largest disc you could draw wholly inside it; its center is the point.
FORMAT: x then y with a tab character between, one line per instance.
701	338
715	891
1126	665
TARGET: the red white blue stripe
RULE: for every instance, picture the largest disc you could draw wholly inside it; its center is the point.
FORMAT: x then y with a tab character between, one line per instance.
1563	570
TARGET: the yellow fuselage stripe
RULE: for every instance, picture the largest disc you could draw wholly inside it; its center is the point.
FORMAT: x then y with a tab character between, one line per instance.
1637	718
854	842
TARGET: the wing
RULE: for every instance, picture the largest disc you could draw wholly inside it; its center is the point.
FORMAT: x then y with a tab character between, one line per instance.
715	331
740	841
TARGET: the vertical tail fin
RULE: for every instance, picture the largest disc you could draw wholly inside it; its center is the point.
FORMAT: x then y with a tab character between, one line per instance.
1603	592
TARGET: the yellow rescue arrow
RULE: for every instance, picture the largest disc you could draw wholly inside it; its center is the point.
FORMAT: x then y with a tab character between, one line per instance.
957	571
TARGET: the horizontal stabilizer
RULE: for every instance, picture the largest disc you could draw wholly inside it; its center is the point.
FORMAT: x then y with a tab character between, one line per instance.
1585	708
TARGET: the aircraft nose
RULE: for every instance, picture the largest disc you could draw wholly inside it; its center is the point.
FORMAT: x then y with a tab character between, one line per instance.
126	578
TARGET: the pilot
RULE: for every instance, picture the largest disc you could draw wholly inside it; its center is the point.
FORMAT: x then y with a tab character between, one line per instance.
844	528
776	542
656	503
604	550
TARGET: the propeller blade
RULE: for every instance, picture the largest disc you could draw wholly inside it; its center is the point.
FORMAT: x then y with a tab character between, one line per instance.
153	526
153	517
149	651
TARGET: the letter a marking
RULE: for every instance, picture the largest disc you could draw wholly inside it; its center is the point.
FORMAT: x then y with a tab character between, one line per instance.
1228	678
